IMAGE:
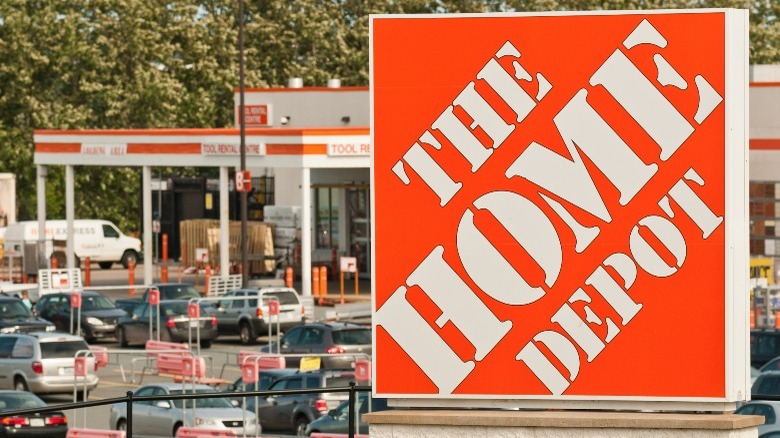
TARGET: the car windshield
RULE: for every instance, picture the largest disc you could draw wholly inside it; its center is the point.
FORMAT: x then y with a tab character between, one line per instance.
96	302
60	349
339	381
14	309
176	309
352	337
178	292
201	403
20	400
284	297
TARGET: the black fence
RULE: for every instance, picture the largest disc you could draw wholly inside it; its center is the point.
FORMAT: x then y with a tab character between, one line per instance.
352	389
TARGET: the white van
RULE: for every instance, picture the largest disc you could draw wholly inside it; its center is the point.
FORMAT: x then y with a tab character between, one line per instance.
97	239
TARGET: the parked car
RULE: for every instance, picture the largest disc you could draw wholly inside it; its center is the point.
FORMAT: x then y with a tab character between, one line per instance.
767	383
764	346
176	325
49	425
770	410
15	317
99	314
168	291
264	380
350	341
164	417
295	412
336	421
42	363
250	318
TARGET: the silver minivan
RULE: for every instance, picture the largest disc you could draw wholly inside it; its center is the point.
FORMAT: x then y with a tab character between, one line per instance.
42	363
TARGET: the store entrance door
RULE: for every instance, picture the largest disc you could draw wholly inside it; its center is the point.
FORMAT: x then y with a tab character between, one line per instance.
358	213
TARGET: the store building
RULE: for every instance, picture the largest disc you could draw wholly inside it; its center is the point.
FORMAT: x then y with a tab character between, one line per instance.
309	148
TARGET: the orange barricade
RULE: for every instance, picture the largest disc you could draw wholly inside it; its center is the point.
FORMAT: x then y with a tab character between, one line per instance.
131	276
288	276
323	282
196	432
94	433
87	272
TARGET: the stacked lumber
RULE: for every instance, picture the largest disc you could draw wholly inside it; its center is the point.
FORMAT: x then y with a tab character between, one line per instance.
204	233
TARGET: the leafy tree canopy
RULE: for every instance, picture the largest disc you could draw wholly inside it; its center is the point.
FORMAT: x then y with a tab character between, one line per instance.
78	64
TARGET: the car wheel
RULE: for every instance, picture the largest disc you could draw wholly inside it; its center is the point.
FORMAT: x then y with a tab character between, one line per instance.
121	337
20	384
121	424
85	334
129	256
300	426
80	396
246	333
205	344
105	265
176	428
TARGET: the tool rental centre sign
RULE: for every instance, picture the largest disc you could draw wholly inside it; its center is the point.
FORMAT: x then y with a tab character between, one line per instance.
560	208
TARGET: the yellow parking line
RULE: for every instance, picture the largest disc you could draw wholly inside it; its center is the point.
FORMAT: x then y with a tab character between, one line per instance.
107	383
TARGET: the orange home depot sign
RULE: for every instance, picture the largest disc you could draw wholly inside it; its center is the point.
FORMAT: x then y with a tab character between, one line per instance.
571	190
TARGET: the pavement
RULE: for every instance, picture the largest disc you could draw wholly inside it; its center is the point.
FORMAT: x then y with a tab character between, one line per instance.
125	368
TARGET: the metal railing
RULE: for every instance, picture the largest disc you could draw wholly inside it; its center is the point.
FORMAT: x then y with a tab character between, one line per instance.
129	399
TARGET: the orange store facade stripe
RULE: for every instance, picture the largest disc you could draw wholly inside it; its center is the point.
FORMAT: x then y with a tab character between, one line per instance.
164	148
58	148
765	143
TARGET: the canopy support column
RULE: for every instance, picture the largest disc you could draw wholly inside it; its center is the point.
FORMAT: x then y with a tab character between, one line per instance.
224	222
306	231
146	189
70	255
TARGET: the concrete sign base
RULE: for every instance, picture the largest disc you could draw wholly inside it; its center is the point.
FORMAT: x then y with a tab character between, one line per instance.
551	424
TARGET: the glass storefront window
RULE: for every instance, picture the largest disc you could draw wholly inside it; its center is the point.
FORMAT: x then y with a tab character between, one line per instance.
326	225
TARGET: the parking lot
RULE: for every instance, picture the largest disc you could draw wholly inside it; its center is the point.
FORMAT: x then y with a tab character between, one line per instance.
125	370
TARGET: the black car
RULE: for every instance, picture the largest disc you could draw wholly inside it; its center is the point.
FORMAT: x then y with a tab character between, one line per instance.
764	346
264	380
49	425
176	326
99	315
342	344
15	317
295	412
168	291
337	420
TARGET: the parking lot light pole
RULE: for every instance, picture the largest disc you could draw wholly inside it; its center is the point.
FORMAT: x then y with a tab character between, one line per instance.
242	130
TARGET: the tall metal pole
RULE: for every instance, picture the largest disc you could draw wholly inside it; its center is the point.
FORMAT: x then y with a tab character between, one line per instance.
244	265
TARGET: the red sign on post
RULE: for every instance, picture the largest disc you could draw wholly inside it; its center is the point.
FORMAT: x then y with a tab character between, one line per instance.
249	372
75	300
273	308
80	367
362	370
562	207
193	310
154	297
243	181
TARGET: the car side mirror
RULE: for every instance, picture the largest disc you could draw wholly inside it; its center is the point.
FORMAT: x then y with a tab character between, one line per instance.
165	404
235	403
332	413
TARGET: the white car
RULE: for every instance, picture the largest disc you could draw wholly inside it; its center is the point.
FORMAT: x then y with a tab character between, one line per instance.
164	417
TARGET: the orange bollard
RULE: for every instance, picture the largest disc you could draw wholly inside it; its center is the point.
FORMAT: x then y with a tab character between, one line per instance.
315	282
54	263
131	276
164	267
180	273
323	281
87	272
758	317
752	319
288	276
777	319
208	276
